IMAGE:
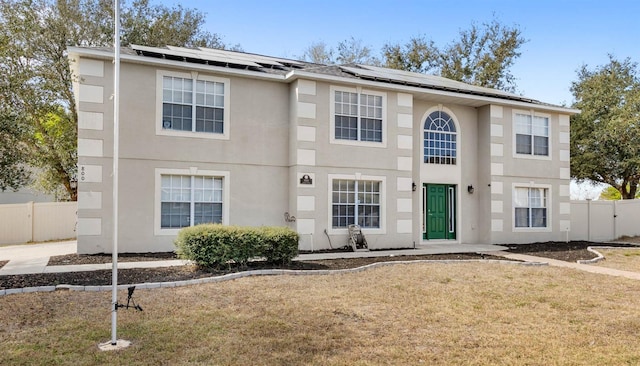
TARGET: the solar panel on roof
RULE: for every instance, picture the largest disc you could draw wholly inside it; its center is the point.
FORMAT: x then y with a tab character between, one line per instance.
268	60
422	79
194	54
241	56
225	58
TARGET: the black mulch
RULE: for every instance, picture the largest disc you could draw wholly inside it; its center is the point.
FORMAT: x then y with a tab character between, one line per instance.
558	250
569	252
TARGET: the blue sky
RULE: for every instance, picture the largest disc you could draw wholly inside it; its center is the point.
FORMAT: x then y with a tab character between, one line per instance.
562	34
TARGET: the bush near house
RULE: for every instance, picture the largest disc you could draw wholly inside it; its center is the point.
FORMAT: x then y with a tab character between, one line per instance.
215	245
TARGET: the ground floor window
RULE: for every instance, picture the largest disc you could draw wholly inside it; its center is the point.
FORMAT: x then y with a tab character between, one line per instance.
531	207
190	200
355	202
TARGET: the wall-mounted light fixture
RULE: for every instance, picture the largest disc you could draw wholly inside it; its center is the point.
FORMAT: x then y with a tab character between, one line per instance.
470	189
414	186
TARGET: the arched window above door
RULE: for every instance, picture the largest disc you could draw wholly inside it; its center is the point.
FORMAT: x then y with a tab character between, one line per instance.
440	139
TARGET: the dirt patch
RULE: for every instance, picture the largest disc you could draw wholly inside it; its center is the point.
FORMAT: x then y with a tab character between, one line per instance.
2	263
180	273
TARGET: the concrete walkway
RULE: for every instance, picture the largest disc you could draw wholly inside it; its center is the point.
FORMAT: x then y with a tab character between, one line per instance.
578	266
33	258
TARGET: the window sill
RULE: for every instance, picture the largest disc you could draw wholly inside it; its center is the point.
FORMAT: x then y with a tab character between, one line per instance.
190	134
382	144
532	230
532	157
365	231
166	232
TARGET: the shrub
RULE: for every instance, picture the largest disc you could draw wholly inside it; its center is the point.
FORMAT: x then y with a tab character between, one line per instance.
215	245
280	244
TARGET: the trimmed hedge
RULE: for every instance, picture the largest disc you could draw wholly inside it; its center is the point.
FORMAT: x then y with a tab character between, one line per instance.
215	245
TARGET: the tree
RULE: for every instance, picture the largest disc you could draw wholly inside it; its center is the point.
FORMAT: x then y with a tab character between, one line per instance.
36	79
482	56
349	51
13	173
319	53
612	194
352	51
605	136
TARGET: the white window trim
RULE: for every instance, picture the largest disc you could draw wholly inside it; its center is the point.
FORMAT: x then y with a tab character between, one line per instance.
192	171
456	124
531	113
549	227
332	117
383	203
194	76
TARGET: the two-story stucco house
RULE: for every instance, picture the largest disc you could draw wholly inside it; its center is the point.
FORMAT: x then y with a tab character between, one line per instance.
242	139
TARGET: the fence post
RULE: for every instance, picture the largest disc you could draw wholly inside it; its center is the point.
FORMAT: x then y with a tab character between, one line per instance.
30	219
588	219
615	221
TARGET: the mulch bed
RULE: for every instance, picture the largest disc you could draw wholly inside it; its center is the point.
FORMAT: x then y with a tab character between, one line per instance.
569	252
180	273
572	252
73	259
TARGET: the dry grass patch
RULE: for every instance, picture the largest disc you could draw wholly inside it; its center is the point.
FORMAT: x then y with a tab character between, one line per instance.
623	259
629	239
432	314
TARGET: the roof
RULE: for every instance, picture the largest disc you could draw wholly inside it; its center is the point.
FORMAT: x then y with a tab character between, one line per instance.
288	70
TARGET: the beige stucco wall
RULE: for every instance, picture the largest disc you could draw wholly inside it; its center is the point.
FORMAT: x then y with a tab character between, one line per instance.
278	131
462	174
255	158
510	170
331	159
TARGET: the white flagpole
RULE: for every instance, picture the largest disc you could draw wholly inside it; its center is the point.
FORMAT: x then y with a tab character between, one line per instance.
116	156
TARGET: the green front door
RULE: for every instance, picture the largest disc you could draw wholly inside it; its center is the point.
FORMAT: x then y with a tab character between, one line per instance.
439	204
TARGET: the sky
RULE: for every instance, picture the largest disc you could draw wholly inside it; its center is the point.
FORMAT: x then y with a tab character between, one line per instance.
562	35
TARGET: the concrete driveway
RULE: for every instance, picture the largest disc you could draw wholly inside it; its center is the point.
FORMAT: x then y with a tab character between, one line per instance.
33	258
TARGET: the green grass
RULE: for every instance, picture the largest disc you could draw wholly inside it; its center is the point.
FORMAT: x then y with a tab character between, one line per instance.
432	314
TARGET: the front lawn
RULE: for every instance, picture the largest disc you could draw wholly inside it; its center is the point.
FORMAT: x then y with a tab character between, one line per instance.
407	314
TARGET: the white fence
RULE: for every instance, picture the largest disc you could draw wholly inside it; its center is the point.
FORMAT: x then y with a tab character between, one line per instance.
22	223
604	220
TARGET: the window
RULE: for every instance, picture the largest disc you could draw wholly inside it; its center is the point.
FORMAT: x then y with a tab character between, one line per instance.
532	134
358	116
190	200
440	143
192	105
531	207
179	105
355	202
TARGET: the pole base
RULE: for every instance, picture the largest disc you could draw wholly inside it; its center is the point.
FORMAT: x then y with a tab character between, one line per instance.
120	344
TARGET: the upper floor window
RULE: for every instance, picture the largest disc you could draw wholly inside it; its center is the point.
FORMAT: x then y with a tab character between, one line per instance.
193	105
532	134
358	116
440	139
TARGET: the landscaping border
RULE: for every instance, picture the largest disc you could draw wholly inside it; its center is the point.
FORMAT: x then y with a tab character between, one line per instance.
262	272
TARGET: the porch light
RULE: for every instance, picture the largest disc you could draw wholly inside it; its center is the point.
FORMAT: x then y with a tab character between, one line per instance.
414	186
470	189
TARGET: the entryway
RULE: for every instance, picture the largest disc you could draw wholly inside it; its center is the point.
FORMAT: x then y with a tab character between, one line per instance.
439	211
